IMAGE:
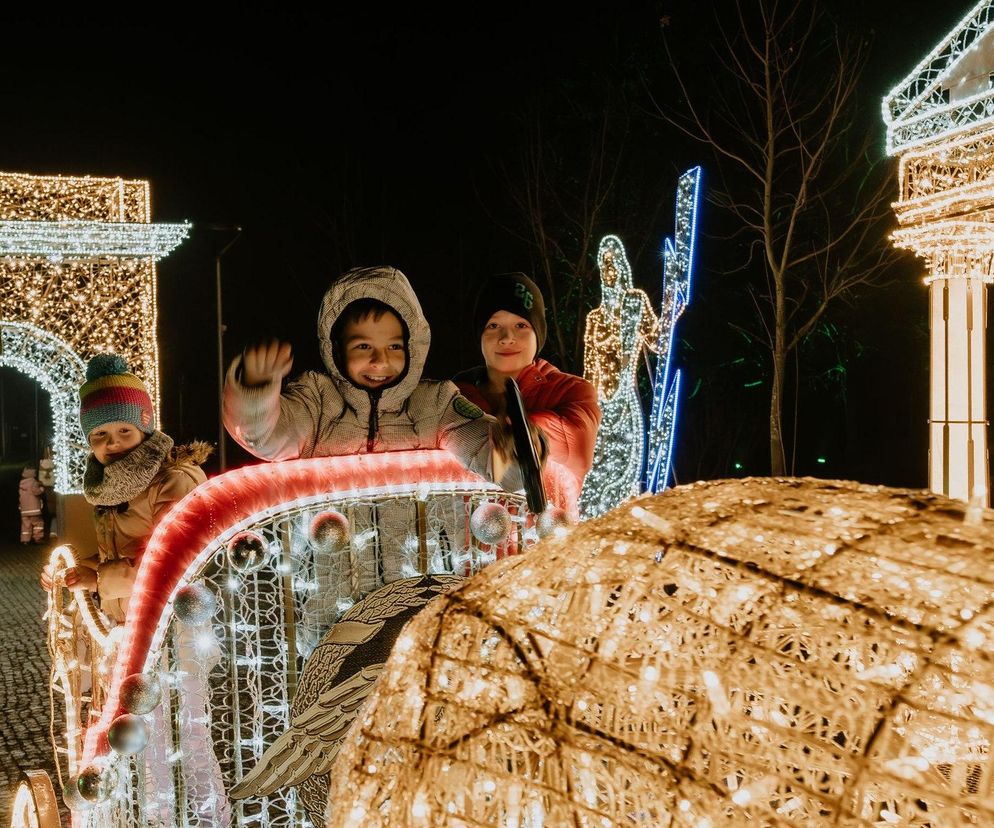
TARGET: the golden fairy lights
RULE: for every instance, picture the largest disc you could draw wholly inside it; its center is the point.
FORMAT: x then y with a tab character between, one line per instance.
941	118
78	647
616	333
77	265
757	652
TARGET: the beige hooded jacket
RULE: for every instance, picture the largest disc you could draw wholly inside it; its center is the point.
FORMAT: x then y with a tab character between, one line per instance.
130	496
325	414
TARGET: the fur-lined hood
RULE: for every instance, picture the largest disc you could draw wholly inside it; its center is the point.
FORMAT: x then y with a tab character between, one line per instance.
391	287
124	479
195	452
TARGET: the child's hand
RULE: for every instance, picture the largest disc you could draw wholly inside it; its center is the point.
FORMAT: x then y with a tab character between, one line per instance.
503	441
266	363
81	577
46	578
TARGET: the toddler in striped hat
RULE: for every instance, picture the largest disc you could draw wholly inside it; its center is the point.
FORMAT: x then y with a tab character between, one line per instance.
115	408
134	475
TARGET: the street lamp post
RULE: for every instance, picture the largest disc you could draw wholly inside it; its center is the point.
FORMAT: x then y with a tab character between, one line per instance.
221	448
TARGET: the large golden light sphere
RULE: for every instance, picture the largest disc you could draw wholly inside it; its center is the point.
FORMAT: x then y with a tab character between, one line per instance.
756	652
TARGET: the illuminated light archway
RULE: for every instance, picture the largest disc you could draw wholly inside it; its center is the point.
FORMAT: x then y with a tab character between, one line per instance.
940	120
77	278
58	369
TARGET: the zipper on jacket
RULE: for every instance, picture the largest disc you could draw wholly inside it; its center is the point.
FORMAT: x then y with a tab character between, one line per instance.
374	419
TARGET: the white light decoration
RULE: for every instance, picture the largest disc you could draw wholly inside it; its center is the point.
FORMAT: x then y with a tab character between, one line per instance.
617	331
228	682
678	263
78	647
941	119
78	277
949	93
54	365
785	653
90	239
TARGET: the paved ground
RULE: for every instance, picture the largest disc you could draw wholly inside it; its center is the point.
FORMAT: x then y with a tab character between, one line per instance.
24	698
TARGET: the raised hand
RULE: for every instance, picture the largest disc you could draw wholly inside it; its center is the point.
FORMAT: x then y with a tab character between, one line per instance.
265	363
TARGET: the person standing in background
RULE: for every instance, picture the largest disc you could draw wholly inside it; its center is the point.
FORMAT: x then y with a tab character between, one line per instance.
29	499
49	504
509	318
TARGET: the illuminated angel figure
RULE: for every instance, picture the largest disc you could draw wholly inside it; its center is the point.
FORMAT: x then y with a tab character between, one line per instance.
616	333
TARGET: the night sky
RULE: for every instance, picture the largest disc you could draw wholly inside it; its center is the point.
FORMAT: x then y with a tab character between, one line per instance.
339	139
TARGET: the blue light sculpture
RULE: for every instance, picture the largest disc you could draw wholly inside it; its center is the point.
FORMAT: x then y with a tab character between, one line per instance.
678	262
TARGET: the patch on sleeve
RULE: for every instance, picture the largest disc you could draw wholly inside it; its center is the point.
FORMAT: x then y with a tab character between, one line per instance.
465	408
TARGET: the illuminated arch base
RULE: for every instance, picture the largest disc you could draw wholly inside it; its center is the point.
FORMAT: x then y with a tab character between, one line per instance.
59	370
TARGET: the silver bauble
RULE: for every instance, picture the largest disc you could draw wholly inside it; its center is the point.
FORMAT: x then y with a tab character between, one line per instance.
95	785
490	523
247	552
140	693
550	520
329	532
73	798
195	604
128	734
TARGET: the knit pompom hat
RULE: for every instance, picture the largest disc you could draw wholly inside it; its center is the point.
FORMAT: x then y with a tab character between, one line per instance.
113	394
515	293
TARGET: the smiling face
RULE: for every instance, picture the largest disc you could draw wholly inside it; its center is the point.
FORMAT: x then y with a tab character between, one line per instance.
375	354
112	441
508	344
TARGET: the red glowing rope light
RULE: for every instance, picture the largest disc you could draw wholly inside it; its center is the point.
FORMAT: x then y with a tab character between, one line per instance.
227	500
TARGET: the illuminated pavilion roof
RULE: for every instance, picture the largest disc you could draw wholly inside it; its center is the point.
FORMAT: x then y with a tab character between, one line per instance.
950	91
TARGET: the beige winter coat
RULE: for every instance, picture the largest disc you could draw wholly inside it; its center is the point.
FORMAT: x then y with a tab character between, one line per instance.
130	496
325	414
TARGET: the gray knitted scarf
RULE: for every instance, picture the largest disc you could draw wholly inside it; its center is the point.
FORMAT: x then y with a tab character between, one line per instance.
125	479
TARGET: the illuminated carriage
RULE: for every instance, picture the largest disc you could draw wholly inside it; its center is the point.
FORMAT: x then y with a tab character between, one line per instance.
239	586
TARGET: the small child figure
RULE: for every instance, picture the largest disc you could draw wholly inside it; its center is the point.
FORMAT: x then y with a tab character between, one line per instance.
133	476
49	505
29	494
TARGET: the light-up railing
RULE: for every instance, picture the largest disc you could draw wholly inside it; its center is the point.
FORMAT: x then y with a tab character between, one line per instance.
238	584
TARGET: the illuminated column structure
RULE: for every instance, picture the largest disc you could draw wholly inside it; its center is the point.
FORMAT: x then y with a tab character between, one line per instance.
78	277
940	121
678	263
617	331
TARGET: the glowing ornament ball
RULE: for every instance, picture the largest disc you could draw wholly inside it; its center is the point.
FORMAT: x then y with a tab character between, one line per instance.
752	652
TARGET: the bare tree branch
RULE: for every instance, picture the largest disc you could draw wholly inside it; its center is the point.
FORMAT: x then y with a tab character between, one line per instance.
781	122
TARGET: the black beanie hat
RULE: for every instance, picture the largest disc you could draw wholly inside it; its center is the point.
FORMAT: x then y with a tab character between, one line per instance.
514	293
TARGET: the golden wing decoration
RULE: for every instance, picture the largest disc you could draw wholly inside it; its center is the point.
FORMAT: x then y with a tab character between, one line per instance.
311	744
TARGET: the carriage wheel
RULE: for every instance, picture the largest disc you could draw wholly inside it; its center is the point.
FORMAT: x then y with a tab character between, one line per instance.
35	805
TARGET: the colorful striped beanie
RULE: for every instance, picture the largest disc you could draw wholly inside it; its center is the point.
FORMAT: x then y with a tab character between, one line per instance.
113	394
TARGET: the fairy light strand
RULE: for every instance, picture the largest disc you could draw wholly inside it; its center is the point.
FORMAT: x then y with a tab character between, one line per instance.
249	700
945	93
727	653
678	263
940	120
83	239
54	365
78	277
617	331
